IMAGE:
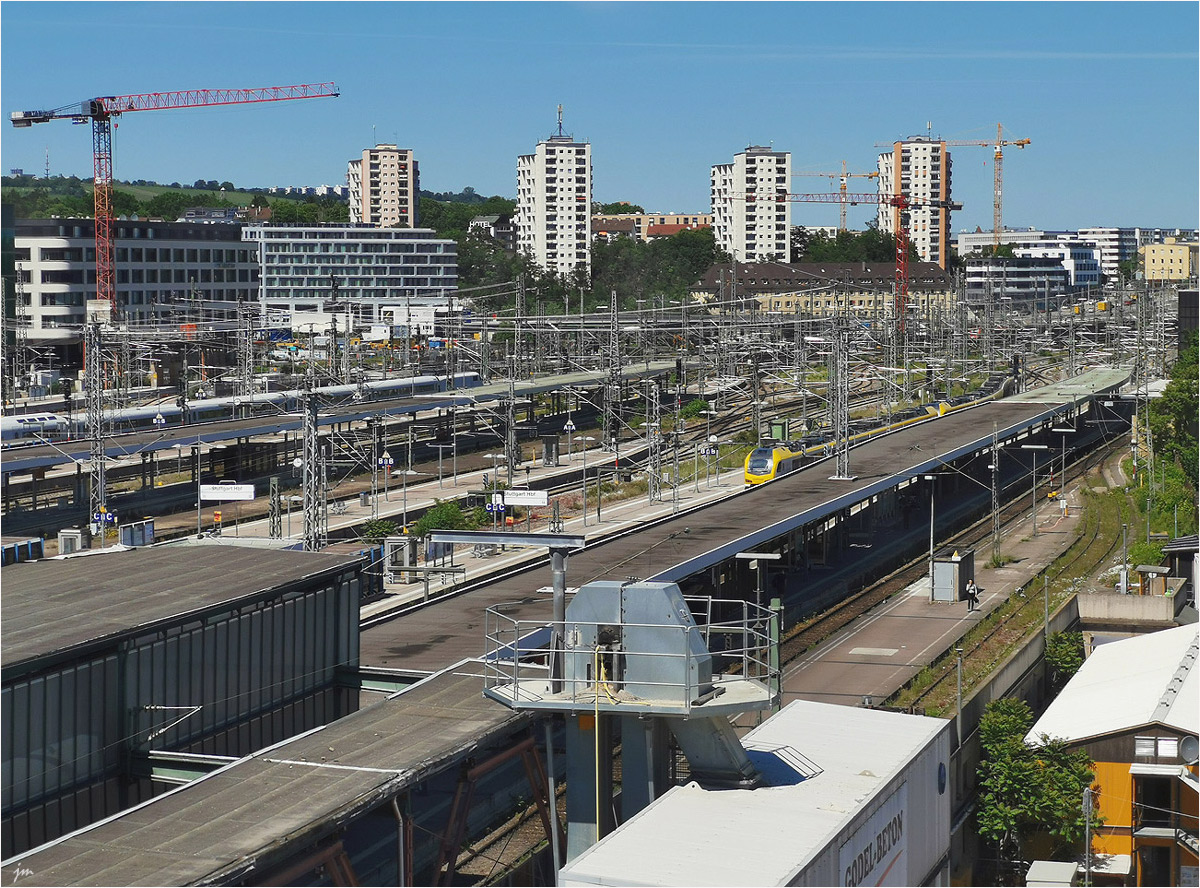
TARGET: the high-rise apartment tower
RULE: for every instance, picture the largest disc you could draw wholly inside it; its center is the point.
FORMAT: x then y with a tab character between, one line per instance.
750	222
920	170
385	186
554	204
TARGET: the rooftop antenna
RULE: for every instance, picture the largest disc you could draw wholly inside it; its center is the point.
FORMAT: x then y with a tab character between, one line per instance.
929	130
560	132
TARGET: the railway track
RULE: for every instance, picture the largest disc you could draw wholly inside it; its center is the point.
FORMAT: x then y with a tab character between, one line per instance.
806	635
1084	557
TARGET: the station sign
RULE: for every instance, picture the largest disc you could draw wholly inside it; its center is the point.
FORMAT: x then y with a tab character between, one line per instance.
222	492
526	497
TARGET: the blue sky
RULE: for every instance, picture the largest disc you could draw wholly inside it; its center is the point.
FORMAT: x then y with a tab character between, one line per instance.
1106	91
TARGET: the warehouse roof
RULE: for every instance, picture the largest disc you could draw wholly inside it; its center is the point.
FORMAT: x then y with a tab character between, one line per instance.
1124	685
61	603
693	836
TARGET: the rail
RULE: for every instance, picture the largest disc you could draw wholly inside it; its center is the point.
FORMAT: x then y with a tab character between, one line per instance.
621	677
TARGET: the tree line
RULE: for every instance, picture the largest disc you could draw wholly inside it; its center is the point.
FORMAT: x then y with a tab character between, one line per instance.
69	196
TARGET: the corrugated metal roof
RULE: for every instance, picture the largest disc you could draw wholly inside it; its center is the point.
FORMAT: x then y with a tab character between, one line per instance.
693	836
1126	684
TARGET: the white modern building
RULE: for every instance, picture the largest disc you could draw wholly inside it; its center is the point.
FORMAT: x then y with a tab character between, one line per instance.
1031	281
919	169
750	220
554	205
1115	245
360	268
166	273
1079	260
385	185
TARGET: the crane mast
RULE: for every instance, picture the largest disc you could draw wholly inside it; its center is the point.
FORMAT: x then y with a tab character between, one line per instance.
101	111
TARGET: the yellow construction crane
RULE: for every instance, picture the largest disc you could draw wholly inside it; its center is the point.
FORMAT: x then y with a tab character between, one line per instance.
842	177
997	147
998	175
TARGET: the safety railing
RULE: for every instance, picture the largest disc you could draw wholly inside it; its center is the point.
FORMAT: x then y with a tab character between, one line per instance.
634	666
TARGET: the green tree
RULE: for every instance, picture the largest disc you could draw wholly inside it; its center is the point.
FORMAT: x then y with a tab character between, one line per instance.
378	528
168	205
616	208
443	516
871	245
1173	416
1064	656
1028	790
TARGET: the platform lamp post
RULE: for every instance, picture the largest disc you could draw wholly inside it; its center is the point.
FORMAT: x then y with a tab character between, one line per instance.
930	479
441	448
958	652
404	492
1035	448
1062	484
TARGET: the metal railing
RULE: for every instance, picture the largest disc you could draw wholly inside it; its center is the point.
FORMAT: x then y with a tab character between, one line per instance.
736	634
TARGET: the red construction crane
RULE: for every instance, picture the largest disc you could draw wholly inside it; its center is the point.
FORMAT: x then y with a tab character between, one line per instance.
842	178
100	111
900	202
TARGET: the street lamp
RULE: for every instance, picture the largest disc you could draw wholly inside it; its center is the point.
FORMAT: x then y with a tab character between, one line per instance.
1035	448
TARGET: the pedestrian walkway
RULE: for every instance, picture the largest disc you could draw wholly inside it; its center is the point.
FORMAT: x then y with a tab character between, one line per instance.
877	654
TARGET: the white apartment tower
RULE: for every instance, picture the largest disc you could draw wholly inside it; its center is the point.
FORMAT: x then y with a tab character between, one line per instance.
750	222
920	170
385	187
554	204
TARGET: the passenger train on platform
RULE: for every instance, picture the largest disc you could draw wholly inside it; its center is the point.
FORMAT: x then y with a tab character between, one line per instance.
42	427
769	461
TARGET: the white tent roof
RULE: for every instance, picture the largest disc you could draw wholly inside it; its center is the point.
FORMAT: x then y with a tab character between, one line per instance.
1145	680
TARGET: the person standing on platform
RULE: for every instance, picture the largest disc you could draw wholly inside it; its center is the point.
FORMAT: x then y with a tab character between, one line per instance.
971	593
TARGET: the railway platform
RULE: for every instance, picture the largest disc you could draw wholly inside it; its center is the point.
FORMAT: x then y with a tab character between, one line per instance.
877	654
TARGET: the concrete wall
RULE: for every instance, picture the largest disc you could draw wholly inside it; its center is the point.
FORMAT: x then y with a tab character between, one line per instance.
1111	609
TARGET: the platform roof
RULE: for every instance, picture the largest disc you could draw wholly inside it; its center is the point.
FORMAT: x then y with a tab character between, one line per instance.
25	459
53	605
1099	380
693	836
1125	685
255	813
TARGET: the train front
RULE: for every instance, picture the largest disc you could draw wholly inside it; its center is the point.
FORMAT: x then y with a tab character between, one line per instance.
761	465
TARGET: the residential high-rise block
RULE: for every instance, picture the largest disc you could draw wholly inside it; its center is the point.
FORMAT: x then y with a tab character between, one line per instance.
554	204
750	219
385	186
919	169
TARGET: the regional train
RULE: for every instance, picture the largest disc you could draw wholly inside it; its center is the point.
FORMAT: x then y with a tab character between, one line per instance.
42	427
770	461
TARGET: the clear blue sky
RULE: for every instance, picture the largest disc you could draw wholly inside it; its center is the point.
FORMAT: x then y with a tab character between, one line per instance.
1106	91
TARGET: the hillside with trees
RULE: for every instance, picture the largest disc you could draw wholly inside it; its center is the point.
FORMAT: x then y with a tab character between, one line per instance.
39	198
